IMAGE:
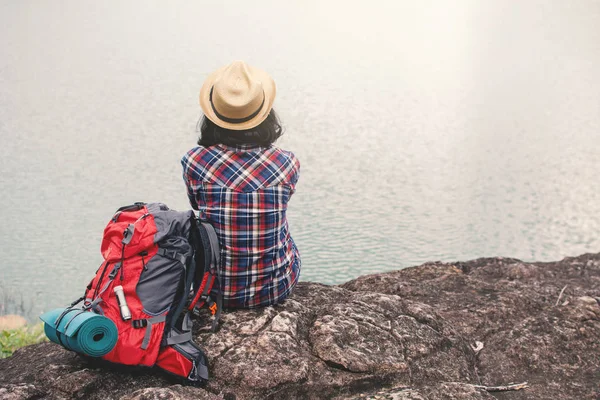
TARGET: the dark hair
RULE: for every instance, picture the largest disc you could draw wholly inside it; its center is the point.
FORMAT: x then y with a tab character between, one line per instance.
264	134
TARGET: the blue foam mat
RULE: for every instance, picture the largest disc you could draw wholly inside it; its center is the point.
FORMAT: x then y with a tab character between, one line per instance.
81	331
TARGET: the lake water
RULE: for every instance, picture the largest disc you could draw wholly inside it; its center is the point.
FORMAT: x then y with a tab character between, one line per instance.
426	130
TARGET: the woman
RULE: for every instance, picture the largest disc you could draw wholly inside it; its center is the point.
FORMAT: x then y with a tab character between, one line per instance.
241	184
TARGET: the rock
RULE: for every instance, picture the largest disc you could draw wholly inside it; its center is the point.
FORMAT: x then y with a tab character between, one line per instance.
437	331
175	392
8	322
586	308
18	392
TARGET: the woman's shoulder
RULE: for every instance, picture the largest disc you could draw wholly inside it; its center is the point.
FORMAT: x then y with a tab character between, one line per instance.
288	156
198	153
288	166
222	153
264	166
196	160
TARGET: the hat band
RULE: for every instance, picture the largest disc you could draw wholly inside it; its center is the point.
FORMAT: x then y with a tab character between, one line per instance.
235	120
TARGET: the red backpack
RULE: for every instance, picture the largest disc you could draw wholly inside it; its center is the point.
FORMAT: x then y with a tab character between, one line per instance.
159	266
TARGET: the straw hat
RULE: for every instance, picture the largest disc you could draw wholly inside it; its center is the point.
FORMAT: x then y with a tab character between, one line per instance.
237	96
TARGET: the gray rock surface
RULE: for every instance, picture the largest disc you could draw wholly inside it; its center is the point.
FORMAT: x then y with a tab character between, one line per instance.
437	331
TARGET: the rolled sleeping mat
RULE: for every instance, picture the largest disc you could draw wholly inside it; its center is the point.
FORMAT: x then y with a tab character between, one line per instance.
81	331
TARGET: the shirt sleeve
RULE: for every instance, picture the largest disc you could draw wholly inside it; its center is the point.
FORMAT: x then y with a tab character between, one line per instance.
295	174
188	179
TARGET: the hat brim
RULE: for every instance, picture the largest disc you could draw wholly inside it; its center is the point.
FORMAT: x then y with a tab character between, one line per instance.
269	88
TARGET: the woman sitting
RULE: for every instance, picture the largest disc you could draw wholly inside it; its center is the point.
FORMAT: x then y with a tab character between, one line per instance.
241	184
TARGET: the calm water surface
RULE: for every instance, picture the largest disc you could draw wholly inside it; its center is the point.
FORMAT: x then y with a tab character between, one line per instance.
426	130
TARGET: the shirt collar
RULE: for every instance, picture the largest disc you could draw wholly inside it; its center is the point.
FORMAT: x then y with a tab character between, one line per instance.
241	148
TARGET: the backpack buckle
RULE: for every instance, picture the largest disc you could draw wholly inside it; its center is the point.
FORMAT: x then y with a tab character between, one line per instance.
196	311
202	300
212	306
139	323
128	234
114	271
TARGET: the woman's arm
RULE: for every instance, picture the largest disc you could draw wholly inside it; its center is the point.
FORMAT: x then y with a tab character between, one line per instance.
189	180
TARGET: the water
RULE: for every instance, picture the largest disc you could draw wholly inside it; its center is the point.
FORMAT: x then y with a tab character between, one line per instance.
426	131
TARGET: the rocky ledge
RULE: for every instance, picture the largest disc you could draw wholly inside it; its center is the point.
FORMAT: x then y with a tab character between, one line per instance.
483	329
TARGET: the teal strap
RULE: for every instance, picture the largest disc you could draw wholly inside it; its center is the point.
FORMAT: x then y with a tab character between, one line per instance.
72	318
58	321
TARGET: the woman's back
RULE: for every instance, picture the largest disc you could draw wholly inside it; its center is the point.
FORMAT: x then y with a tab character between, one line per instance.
243	191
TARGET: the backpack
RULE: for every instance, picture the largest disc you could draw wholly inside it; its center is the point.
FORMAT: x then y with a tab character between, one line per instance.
159	267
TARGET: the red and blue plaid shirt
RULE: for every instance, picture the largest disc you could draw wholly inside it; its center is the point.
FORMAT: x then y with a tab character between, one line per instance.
243	191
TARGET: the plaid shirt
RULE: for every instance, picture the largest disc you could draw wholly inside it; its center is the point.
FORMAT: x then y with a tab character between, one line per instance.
243	192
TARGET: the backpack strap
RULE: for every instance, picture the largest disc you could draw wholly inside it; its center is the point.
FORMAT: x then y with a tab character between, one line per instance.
216	252
138	205
147	323
175	312
171	337
212	262
182	258
190	274
133	207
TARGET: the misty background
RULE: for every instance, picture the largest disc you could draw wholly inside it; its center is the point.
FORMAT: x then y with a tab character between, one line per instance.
426	130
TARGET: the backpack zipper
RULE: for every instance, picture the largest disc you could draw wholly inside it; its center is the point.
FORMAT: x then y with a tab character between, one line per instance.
193	371
100	281
143	254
